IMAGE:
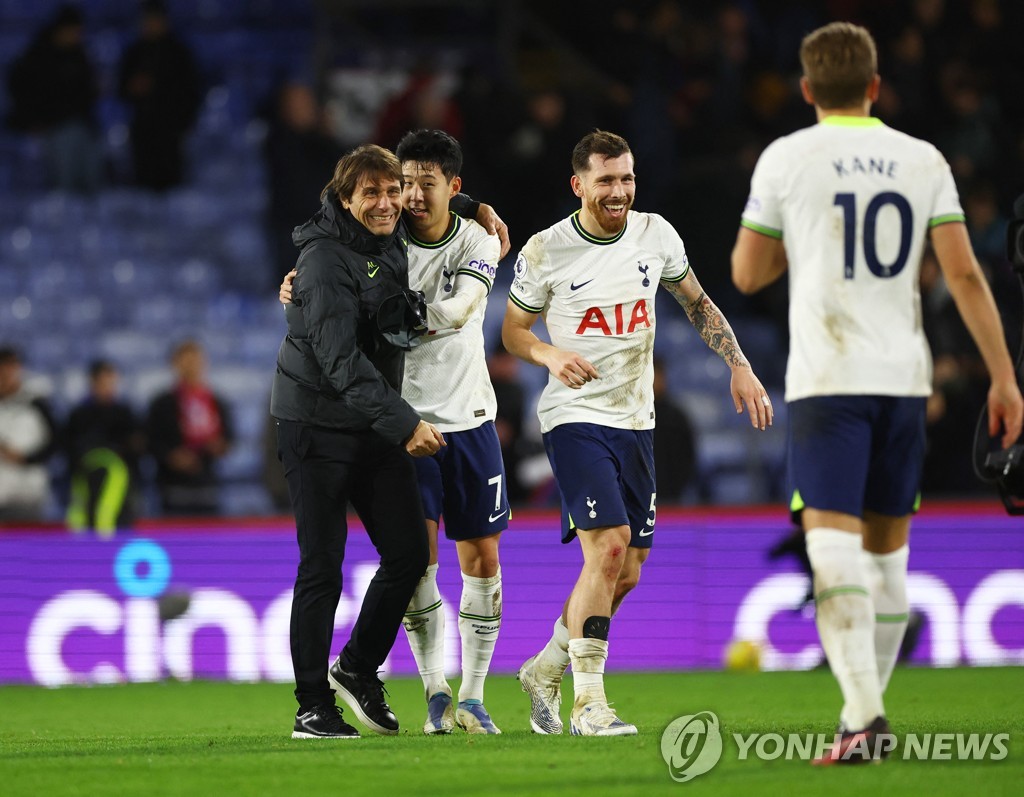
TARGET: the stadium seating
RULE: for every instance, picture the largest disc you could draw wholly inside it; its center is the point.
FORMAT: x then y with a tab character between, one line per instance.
126	273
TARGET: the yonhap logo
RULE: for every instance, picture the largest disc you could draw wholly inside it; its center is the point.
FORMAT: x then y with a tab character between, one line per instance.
691	745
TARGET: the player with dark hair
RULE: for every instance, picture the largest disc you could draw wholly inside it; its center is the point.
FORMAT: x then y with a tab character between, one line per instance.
453	261
594	276
846	207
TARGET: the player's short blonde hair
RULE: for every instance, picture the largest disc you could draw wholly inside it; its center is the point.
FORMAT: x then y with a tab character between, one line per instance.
368	160
839	61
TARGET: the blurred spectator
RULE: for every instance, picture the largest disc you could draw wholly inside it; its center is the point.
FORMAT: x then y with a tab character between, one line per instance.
27	440
675	450
53	92
160	81
904	98
969	141
425	102
189	429
300	152
986	225
538	147
508	390
103	441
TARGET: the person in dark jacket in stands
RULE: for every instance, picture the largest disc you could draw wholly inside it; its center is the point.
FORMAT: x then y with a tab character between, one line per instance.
53	90
160	80
189	428
103	440
345	435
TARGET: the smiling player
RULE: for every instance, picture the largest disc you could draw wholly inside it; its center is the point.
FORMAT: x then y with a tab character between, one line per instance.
593	276
453	261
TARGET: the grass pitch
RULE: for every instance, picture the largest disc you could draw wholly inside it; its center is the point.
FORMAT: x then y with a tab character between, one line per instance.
232	740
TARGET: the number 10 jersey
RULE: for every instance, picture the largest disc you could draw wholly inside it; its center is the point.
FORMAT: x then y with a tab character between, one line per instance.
853	201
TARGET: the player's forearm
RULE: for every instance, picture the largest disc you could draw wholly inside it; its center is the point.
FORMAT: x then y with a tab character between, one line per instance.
455	312
714	329
525	345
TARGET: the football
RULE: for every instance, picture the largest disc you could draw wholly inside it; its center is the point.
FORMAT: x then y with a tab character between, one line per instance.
743	655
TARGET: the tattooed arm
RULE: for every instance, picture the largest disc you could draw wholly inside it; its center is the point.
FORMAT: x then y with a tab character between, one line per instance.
714	329
707	319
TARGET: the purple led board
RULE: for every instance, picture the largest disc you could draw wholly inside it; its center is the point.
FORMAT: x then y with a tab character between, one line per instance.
83	610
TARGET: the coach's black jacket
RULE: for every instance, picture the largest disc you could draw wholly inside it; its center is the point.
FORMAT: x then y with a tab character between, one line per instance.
334	369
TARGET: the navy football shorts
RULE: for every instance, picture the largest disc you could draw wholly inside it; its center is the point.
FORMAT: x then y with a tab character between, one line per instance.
854	453
465	483
605	477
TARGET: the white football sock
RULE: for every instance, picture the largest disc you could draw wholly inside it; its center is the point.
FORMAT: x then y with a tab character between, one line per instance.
554	658
424	626
479	621
846	620
588	658
888	580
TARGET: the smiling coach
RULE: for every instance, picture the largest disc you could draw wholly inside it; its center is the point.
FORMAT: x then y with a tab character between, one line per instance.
345	435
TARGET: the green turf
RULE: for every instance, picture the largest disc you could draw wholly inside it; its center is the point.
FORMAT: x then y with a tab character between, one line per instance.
231	740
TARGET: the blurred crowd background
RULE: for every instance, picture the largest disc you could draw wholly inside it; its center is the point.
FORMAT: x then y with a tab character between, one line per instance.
154	158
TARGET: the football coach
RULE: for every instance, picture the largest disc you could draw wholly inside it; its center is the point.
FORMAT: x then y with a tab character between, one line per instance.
345	436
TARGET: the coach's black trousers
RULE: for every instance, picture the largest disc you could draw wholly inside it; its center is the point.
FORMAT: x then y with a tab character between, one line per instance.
327	469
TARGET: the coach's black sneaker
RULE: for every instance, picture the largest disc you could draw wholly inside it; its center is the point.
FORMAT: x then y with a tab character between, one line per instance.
322	722
364	694
867	746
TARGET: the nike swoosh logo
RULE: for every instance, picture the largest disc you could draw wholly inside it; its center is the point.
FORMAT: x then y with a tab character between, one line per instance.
574	287
488	631
373	272
645	533
492	518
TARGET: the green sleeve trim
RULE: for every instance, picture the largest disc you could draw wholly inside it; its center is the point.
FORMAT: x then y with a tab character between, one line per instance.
949	218
892	618
523	306
478	275
680	278
771	232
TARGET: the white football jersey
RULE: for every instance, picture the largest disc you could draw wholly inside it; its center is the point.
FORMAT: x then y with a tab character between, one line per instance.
853	201
446	379
597	299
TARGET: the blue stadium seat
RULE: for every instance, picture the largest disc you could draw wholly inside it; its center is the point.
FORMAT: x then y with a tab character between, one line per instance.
72	386
239	384
47	352
258	347
142	383
29	13
196	278
245	499
55	279
132	350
